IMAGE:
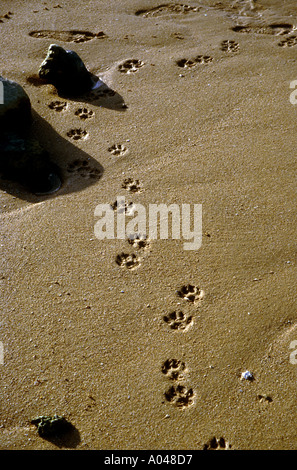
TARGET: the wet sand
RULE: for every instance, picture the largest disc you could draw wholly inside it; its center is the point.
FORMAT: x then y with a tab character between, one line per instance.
203	117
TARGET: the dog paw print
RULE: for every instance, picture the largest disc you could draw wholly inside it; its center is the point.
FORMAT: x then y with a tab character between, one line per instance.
58	105
203	59
123	207
180	396
188	63
131	185
264	398
173	369
190	293
229	46
118	150
77	134
84	113
6	16
105	92
178	320
131	66
126	260
288	42
83	168
217	444
138	241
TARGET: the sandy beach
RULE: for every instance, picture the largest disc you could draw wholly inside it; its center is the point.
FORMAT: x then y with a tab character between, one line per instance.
116	336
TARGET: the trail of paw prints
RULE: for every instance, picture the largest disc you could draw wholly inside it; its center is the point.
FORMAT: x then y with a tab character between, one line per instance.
167	8
131	185
84	113
6	16
217	444
189	63
178	320
288	42
191	293
83	168
67	36
118	150
173	369
131	66
229	46
58	106
77	134
128	260
178	395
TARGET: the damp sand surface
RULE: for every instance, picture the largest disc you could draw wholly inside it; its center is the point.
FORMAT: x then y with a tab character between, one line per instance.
142	344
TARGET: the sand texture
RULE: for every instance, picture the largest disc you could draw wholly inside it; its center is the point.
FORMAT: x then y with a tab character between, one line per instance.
195	109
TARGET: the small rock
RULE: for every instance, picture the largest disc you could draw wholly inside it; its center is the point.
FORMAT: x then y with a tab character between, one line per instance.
247	375
48	426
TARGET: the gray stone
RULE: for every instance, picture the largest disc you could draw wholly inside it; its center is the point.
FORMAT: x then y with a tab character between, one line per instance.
22	158
15	110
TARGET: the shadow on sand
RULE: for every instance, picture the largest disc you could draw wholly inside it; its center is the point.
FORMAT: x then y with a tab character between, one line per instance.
101	95
75	168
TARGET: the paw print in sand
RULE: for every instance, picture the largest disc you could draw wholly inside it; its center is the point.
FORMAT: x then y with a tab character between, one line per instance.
180	396
217	444
173	369
190	293
83	168
84	113
178	320
229	46
138	241
131	185
118	150
131	66
58	105
77	134
188	63
126	260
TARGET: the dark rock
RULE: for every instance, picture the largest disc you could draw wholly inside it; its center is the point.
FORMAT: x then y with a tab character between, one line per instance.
49	427
66	71
15	111
22	158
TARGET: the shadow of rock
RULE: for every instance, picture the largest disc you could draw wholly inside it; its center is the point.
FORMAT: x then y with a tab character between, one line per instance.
101	95
76	169
69	439
57	430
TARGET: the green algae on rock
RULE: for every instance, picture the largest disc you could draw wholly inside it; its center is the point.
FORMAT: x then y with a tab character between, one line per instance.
66	71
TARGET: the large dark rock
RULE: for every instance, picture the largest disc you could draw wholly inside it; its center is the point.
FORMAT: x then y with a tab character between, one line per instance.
22	158
66	71
15	110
